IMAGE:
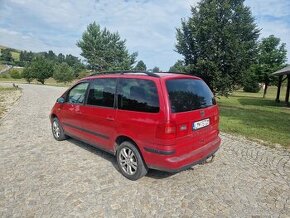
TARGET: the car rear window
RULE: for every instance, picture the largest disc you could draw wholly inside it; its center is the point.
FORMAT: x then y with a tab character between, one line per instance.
188	95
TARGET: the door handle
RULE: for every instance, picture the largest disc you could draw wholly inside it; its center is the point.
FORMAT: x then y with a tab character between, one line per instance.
110	118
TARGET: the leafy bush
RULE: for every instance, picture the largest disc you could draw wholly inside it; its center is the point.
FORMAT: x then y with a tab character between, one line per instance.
28	74
63	73
15	74
83	74
251	84
3	75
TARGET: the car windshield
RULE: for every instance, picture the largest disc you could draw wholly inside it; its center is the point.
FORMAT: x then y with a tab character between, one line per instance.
188	95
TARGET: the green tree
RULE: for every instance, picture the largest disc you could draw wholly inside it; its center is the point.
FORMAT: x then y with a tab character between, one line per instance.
63	73
50	55
104	50
60	58
41	69
6	55
272	56
140	66
218	42
155	70
75	63
250	81
177	67
27	74
25	57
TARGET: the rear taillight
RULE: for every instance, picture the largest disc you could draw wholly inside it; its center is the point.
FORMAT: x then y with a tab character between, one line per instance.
166	131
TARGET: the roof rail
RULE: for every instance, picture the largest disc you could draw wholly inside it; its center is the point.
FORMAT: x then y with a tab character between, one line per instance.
123	72
176	72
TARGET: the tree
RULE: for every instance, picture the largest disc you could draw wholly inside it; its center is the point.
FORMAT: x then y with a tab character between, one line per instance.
41	68
272	56
27	74
140	66
250	82
177	67
60	58
50	55
6	55
75	63
25	57
218	43
63	73
155	70
104	50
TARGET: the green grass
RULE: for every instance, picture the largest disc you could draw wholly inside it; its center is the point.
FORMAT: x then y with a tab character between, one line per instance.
250	115
3	89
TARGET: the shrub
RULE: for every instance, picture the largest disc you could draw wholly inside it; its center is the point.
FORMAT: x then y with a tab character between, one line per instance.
83	74
251	84
15	74
27	74
63	73
3	75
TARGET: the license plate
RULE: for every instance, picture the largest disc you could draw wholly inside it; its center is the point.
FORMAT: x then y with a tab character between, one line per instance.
200	124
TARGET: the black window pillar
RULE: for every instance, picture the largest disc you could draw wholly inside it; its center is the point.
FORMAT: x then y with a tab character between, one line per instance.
288	90
279	88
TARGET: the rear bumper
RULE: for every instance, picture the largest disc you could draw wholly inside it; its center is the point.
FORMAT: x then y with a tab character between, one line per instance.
175	163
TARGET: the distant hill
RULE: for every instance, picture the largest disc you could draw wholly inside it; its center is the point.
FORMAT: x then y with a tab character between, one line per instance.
15	52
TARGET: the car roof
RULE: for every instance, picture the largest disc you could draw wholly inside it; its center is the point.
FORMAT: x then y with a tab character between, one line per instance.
140	74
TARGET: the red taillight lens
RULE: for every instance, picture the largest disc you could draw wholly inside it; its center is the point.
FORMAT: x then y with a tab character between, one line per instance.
166	131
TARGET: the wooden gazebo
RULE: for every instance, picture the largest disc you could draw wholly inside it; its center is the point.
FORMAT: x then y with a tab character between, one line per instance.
281	73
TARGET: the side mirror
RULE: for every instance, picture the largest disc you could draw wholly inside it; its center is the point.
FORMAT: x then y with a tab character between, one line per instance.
60	100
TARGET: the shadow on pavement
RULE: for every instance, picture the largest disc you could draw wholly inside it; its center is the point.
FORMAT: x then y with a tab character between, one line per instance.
155	174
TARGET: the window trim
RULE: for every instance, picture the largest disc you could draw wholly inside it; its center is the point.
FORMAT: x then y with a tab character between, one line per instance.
68	91
117	96
99	106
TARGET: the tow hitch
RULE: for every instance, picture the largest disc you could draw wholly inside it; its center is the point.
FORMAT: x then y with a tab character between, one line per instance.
208	160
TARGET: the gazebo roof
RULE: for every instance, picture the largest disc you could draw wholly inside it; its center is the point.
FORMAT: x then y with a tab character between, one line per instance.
284	71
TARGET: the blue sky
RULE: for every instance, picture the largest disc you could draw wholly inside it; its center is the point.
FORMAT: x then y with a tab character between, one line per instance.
148	25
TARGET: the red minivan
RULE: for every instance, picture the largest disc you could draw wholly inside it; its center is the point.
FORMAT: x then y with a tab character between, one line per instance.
164	121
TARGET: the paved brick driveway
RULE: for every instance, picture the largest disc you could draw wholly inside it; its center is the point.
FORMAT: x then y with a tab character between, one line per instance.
42	177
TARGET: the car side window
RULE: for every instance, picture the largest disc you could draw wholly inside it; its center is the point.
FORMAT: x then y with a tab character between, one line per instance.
138	95
102	92
77	94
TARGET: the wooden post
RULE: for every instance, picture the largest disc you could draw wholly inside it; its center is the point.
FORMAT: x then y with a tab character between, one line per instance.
279	88
288	90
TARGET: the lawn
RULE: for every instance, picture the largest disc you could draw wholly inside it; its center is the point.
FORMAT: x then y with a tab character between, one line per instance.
250	115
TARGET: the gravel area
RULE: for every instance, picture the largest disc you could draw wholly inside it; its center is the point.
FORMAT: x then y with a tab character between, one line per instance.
43	177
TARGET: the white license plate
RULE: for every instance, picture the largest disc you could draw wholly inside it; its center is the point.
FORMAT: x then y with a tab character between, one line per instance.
200	124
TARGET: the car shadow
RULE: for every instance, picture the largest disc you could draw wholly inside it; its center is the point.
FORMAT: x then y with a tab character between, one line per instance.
155	174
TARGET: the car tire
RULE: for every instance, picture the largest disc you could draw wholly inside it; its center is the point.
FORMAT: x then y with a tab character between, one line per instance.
130	162
57	130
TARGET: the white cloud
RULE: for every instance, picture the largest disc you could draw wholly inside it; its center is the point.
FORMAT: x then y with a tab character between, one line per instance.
273	17
275	8
21	41
148	25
